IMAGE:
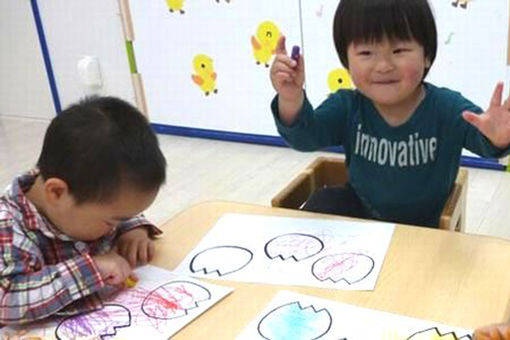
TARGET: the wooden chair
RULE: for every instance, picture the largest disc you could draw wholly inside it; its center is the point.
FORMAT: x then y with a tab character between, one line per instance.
331	171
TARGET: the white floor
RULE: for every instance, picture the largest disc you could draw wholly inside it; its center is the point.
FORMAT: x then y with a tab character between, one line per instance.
201	170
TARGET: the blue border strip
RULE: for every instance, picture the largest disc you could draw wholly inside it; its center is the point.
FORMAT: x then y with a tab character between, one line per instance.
475	162
46	55
218	135
484	163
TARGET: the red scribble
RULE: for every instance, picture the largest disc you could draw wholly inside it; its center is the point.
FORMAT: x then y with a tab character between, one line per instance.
344	265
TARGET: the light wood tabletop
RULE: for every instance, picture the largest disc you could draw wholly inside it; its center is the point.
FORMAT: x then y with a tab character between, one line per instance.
453	278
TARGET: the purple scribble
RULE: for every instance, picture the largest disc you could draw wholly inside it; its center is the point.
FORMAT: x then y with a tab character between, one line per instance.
103	323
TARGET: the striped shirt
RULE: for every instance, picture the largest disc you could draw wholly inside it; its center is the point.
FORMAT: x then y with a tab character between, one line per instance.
42	271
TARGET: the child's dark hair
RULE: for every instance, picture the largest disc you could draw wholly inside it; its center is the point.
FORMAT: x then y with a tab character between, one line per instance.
100	144
361	21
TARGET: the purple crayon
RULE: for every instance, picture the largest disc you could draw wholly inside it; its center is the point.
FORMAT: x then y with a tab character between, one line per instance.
295	53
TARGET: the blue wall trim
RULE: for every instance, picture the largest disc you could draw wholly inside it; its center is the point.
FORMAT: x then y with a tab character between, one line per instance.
227	136
46	55
219	135
485	163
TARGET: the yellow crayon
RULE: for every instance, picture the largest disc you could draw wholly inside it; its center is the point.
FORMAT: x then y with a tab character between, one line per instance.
131	282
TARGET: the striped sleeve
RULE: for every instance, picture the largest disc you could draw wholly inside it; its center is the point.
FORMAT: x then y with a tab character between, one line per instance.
30	292
136	222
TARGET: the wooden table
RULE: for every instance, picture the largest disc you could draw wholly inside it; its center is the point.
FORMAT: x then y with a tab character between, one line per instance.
453	278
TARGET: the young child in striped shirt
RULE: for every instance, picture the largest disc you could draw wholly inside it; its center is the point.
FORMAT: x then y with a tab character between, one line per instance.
73	225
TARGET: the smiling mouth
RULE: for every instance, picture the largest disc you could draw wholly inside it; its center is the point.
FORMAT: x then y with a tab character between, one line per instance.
385	82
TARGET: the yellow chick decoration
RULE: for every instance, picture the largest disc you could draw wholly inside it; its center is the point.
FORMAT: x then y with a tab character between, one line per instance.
175	5
265	41
205	76
339	78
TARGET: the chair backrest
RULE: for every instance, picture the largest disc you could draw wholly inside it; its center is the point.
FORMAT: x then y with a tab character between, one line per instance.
330	171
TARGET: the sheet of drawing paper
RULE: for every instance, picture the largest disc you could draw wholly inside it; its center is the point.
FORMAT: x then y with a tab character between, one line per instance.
158	306
324	253
296	316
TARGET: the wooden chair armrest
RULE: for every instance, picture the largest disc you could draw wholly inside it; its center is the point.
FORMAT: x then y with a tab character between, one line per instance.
454	211
296	192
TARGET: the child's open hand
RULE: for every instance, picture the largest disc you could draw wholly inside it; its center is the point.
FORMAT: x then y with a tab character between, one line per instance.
287	75
114	268
493	332
135	246
495	122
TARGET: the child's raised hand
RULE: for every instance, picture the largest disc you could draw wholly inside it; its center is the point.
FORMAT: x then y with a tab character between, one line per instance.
135	246
495	122
287	75
114	268
493	332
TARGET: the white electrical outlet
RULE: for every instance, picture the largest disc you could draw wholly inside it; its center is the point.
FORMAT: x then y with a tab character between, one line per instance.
89	72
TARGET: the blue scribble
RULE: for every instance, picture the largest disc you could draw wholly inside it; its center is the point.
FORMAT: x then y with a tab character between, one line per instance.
291	321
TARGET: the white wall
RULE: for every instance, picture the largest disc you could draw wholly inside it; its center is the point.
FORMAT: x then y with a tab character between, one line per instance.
24	87
73	29
77	28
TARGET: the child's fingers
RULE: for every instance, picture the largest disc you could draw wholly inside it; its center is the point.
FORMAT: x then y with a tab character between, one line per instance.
280	47
301	62
279	68
472	118
283	77
493	332
143	252
131	254
283	59
497	95
150	251
121	249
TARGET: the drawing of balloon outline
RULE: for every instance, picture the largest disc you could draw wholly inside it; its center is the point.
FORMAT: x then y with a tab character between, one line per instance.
348	282
467	336
292	256
185	310
204	270
75	318
259	325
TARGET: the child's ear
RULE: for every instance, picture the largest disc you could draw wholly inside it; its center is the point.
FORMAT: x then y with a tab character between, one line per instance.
427	63
56	191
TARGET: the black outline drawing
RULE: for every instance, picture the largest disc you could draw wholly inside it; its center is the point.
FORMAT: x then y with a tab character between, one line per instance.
343	279
204	270
466	337
61	324
196	302
301	308
292	256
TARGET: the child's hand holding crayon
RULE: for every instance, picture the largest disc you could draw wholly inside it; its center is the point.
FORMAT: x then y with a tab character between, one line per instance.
288	77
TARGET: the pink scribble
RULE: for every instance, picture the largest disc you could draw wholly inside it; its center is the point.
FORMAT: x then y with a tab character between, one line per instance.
174	300
349	267
296	246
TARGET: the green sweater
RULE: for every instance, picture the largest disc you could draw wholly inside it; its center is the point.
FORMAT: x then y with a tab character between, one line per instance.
402	174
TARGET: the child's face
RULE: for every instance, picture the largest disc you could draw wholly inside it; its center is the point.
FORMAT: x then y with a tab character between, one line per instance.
387	72
90	221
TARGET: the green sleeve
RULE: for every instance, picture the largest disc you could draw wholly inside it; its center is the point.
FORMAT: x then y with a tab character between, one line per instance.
316	129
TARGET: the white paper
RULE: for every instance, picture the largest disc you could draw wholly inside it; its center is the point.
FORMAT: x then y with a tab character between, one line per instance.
158	306
291	251
296	316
